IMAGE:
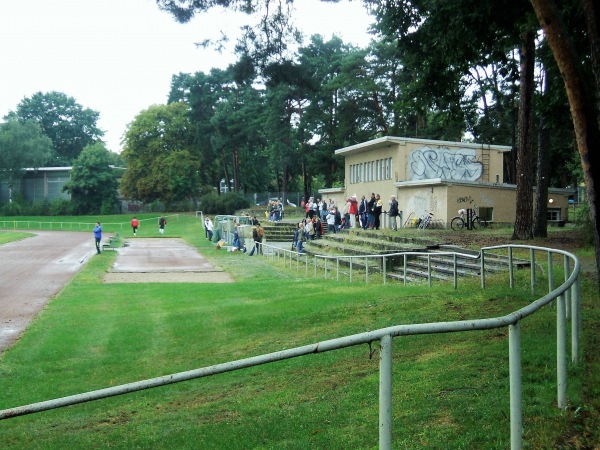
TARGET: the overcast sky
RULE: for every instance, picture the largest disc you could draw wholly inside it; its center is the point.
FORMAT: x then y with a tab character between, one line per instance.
117	56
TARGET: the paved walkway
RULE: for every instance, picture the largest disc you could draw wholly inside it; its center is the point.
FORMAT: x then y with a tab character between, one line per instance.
34	270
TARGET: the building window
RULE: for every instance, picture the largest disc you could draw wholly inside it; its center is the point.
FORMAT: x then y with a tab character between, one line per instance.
553	214
486	213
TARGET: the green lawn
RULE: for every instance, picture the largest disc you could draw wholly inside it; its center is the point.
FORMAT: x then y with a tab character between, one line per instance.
450	390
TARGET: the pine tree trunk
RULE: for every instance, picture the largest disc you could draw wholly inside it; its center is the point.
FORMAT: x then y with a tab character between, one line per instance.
540	219
583	112
524	207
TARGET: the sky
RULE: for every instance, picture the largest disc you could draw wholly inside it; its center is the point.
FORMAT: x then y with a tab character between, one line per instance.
117	57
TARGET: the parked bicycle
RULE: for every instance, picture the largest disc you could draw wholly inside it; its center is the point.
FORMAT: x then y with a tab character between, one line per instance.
424	221
460	221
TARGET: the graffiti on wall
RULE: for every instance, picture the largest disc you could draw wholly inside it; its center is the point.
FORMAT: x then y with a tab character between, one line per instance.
458	165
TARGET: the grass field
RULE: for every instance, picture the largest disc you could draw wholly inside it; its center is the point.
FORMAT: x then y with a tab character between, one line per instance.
450	390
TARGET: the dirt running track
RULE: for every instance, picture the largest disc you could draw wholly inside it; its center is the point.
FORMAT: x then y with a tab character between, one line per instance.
34	270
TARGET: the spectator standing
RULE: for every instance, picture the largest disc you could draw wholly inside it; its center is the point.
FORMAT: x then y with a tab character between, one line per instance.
377	212
353	210
98	236
370	211
346	213
208	227
362	212
393	213
331	221
161	225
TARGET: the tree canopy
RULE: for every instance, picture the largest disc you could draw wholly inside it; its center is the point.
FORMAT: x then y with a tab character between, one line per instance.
22	145
70	126
158	150
93	185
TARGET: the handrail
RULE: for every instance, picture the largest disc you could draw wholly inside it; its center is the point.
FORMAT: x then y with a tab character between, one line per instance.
568	289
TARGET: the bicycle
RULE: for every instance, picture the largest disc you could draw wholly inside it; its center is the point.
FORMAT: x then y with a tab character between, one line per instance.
424	221
459	222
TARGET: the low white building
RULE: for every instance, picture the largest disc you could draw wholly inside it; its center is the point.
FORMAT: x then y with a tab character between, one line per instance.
438	177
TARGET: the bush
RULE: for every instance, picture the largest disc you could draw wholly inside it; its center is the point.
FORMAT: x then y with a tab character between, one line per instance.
11	209
227	203
39	208
61	207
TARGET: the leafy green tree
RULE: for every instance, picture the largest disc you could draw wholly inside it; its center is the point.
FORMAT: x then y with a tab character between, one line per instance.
93	185
158	151
22	145
70	126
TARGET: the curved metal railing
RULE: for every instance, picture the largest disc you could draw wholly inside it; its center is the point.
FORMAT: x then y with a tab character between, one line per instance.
566	296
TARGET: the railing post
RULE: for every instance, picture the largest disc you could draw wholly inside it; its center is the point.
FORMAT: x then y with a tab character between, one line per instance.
337	268
385	393
384	271
567	292
561	352
404	269
429	269
575	322
366	270
550	272
351	259
511	270
516	401
532	262
482	269
455	272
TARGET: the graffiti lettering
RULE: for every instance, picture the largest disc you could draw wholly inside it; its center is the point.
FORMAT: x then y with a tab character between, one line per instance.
467	199
458	165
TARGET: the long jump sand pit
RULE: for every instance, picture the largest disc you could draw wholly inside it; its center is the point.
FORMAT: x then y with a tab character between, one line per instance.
162	260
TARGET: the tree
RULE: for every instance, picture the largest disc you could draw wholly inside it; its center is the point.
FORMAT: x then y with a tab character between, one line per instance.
22	145
70	126
93	185
158	150
583	95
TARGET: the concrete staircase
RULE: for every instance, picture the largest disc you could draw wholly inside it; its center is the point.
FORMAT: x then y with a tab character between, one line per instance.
360	242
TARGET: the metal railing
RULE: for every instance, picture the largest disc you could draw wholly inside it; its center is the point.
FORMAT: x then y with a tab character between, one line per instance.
69	226
567	296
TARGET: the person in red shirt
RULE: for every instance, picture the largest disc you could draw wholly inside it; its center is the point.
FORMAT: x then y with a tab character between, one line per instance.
135	224
353	210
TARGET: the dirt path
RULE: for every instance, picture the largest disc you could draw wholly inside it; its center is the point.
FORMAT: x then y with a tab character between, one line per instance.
34	270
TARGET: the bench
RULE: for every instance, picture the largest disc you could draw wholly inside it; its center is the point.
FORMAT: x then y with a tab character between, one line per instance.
112	240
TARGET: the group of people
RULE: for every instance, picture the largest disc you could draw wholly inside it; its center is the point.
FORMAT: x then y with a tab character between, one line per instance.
275	211
308	229
354	213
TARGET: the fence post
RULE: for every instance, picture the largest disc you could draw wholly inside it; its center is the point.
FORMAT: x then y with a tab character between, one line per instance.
550	272
561	352
516	401
511	269
567	292
384	271
482	269
455	274
385	393
575	322
532	259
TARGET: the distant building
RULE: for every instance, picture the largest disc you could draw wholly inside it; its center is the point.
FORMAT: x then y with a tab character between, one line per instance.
41	184
440	177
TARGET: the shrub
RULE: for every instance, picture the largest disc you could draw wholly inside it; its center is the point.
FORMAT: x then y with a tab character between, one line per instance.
61	207
227	203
